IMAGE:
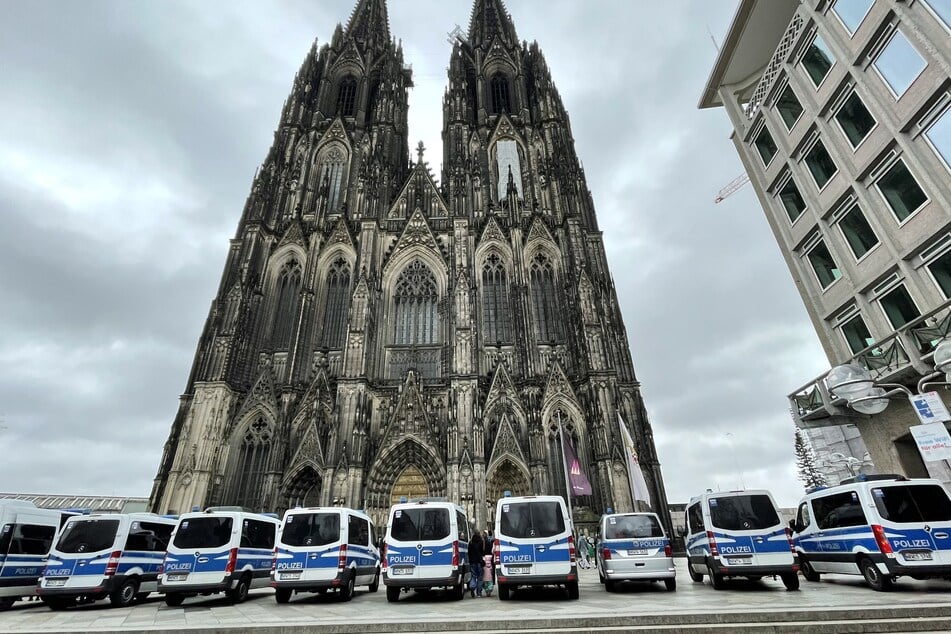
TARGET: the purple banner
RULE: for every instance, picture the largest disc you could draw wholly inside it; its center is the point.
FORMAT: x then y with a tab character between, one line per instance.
576	477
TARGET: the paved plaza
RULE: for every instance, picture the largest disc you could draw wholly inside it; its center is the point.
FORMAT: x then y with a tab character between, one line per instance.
532	607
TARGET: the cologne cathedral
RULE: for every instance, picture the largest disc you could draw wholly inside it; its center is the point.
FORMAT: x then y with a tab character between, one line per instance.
379	332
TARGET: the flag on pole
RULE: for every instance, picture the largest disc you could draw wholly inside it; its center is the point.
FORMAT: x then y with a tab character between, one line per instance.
576	477
639	490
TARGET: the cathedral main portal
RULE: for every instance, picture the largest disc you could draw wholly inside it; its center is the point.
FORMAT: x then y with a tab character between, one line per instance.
411	484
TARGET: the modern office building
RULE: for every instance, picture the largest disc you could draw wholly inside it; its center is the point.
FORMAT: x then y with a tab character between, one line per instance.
841	118
378	333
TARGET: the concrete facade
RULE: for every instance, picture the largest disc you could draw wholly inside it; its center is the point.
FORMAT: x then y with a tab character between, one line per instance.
847	103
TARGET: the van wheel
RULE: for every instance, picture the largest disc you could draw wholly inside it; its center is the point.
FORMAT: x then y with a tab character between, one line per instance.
375	585
174	600
283	595
346	592
600	576
790	580
124	595
504	592
696	577
572	591
459	591
392	594
716	579
240	592
873	576
609	585
671	584
807	570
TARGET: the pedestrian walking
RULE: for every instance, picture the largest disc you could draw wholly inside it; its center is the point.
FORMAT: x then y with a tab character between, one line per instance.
488	576
476	560
583	552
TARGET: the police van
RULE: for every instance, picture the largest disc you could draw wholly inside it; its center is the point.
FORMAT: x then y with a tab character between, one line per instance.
634	547
738	534
877	526
223	549
114	555
534	544
426	545
325	548
26	536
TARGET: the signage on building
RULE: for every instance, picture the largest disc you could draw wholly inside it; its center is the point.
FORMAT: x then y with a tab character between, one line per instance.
933	440
929	407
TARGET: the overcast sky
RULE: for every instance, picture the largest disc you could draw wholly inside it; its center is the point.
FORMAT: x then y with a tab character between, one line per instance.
129	134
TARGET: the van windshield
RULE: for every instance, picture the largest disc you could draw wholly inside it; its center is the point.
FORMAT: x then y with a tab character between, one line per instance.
910	504
525	520
87	536
633	526
416	524
311	529
203	532
743	512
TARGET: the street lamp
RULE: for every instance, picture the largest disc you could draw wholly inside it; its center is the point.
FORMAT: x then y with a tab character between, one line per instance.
854	383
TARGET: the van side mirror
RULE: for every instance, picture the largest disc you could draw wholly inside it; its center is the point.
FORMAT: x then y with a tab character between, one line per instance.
794	527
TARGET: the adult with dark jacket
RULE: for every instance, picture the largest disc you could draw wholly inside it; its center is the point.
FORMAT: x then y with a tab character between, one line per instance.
476	553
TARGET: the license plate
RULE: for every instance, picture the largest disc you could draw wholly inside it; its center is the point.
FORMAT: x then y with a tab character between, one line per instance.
396	572
921	556
290	576
636	552
55	583
518	570
738	562
177	577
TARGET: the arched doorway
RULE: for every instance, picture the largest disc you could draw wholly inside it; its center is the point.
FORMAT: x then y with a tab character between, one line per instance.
304	488
410	484
507	476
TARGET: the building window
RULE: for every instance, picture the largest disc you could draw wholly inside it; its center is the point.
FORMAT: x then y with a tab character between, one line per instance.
941	8
544	293
337	304
417	306
899	307
330	178
792	200
856	334
247	484
823	264
507	162
940	134
941	272
789	108
899	63
855	120
501	100
288	297
901	191
818	60
347	96
496	316
858	233
764	143
820	164
852	12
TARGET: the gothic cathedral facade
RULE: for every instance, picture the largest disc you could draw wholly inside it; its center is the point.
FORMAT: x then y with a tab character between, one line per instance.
378	333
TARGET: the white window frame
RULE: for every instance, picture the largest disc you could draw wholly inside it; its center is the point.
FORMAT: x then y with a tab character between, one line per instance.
880	171
812	244
899	281
932	253
763	128
805	154
937	17
802	109
812	40
835	117
844	210
781	183
844	317
861	22
936	113
879	48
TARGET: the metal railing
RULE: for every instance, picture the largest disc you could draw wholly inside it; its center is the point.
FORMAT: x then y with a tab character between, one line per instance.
775	65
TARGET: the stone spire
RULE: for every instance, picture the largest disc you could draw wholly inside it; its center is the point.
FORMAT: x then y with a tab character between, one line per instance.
490	19
369	25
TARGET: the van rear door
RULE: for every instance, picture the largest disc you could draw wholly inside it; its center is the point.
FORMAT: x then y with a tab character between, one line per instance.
309	547
81	554
917	522
533	538
748	531
200	550
420	543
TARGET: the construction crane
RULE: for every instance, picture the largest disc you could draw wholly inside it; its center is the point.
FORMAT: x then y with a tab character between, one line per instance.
732	187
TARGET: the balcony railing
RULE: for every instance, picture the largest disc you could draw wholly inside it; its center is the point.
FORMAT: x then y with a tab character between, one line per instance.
905	354
775	65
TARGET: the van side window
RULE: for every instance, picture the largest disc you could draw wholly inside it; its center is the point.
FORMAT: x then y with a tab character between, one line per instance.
257	534
802	517
463	527
31	539
148	536
359	531
694	519
838	510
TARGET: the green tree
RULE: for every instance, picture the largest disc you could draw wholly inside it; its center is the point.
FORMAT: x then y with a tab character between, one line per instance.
806	463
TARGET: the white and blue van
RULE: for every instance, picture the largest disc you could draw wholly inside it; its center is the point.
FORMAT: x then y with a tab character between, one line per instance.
325	548
634	547
738	534
534	544
877	526
222	549
426	546
114	555
26	536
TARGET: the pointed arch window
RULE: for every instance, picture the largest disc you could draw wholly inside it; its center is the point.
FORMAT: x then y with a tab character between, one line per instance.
288	301
250	468
544	299
496	313
347	96
337	304
501	99
416	302
333	163
556	451
507	165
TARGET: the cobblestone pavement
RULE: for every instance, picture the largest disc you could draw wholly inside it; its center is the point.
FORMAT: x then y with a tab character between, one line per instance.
834	591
